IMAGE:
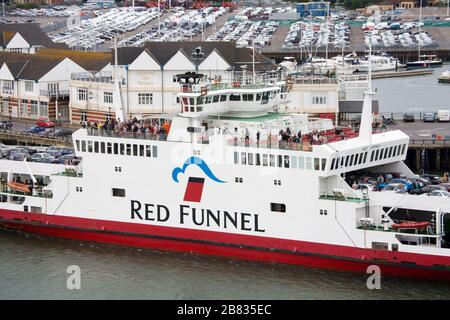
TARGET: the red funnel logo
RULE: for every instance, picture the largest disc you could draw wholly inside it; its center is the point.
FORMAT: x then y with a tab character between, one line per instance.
194	189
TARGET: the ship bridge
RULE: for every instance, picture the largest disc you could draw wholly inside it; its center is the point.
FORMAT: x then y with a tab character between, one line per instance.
354	154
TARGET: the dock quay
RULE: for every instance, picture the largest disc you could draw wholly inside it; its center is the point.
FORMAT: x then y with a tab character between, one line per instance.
21	138
401	73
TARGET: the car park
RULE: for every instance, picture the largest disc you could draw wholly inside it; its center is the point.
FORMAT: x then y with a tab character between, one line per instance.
91	33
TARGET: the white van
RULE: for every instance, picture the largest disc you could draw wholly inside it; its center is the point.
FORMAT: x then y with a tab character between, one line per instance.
443	115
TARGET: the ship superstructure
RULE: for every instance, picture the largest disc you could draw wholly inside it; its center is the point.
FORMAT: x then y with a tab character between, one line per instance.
245	183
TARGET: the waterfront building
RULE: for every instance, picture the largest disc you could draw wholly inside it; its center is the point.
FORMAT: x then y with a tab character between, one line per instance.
37	85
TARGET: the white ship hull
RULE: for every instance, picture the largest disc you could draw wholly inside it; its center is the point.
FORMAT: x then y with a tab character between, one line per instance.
231	211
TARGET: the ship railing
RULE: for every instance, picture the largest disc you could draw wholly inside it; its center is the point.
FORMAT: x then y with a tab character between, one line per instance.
126	135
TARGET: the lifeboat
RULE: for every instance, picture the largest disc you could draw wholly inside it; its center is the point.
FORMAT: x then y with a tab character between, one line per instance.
411	225
22	187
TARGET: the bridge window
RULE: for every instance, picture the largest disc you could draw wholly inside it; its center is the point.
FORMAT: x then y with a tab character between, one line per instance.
264	160
208	99
128	149
141	150
301	162
390	152
376	154
346	161
372	155
96	148
235	97
360	158
333	161
109	147
286	161
280	161
324	164
122	149
102	147
365	157
250	158
258	159
83	146
216	98
395	151
236	157
78	144
116	148
148	151
272	160
247	97
403	148
308	163
135	150
199	100
294	162
351	159
316	164
223	97
243	158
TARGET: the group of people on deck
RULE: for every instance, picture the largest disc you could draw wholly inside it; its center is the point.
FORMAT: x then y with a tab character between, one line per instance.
149	126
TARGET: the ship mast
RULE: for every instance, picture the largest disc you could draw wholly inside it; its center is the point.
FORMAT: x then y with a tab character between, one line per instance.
420	29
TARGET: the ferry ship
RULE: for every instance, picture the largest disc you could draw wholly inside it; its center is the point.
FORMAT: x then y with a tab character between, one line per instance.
232	177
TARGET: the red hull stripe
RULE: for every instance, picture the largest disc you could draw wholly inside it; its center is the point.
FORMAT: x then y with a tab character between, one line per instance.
228	244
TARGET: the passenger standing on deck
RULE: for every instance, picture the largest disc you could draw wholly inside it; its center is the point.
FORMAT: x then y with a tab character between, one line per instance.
257	137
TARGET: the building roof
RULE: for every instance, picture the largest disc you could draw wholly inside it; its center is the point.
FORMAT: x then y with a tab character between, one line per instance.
35	66
91	61
31	32
164	51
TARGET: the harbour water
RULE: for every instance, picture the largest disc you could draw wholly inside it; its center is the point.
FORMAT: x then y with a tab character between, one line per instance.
413	94
35	268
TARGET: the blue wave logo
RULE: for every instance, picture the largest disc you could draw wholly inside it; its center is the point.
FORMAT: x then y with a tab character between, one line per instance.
199	163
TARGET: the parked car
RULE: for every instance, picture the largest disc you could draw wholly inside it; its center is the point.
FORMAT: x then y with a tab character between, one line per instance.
18	156
61	133
429	117
439	193
43	157
35	130
69	158
6	124
434	179
446	185
408	117
394	187
427	189
443	115
42	122
408	184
